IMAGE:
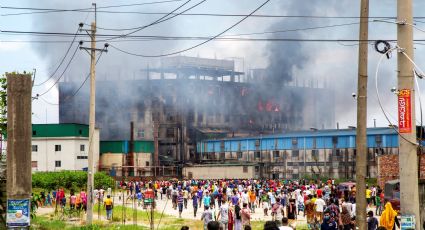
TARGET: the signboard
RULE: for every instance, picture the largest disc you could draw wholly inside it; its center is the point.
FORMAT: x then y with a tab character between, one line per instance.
18	213
404	111
407	222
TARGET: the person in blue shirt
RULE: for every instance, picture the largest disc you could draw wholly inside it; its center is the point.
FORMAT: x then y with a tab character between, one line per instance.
139	198
200	194
328	222
207	199
195	203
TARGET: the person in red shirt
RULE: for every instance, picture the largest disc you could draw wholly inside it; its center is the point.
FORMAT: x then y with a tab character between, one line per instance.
319	192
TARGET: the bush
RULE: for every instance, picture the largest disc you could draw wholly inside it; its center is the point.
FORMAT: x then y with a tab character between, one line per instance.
104	181
75	180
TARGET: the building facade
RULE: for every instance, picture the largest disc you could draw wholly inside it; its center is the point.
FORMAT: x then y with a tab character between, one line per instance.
292	155
186	99
115	157
57	147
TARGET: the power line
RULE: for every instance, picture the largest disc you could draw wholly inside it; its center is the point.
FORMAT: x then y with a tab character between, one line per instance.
50	103
200	44
63	72
50	10
62	60
162	19
81	10
84	82
221	38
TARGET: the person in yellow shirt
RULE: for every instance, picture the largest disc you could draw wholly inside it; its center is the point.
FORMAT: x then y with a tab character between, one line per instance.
108	207
368	196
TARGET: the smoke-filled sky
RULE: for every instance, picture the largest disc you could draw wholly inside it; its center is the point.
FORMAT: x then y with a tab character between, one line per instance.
333	64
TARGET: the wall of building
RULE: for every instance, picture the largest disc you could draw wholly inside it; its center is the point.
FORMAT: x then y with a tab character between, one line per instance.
142	163
219	172
388	168
73	154
45	158
327	153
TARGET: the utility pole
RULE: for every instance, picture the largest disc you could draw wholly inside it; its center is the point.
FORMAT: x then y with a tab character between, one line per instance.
18	166
408	160
361	135
92	121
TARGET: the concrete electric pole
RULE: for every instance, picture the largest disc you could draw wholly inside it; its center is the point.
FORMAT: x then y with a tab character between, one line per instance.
18	172
92	119
408	160
361	138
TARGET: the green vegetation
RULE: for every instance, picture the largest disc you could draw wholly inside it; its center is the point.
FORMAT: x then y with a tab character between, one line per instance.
75	180
3	104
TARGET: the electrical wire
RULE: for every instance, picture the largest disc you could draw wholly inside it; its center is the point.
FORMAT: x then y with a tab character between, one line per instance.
157	21
62	60
43	10
84	82
163	19
47	102
63	72
414	72
81	10
379	98
200	44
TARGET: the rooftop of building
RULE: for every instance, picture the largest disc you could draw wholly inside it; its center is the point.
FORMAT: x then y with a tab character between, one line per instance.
319	133
60	130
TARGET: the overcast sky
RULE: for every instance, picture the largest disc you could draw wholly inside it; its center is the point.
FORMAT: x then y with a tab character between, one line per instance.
331	62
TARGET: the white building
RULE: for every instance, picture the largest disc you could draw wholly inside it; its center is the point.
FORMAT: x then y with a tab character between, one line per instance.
58	147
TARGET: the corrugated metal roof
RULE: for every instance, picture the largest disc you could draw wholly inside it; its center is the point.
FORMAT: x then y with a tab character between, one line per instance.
319	133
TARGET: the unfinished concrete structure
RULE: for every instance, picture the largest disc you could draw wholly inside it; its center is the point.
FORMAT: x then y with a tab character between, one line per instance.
187	99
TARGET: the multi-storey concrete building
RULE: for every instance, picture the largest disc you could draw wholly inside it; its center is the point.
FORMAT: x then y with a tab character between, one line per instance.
329	153
186	99
58	147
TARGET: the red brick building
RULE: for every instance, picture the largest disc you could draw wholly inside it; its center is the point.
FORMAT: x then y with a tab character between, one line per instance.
388	168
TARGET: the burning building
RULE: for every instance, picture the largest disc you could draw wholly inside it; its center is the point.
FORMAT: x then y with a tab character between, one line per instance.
187	99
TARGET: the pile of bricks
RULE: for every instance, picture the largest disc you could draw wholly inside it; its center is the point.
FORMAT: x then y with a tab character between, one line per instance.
388	168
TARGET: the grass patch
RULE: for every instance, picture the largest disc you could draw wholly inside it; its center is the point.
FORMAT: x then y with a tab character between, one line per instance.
49	221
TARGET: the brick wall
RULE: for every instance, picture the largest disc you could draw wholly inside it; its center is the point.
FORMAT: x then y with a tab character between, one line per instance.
388	168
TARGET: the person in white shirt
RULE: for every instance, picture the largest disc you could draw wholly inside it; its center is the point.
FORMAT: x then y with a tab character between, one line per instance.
285	224
347	205
245	197
224	214
320	205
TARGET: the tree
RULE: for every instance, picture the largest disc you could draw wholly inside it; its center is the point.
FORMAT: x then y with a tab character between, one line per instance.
3	104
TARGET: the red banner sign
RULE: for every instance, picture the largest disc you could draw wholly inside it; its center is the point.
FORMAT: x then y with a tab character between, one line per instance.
404	111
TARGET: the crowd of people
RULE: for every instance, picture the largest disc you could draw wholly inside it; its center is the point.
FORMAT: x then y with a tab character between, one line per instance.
230	204
325	205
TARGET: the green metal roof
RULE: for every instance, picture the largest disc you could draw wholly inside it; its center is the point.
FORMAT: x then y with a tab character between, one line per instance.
140	146
60	130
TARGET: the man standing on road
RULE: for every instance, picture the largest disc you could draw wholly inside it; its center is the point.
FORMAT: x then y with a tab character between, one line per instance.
206	216
246	216
207	199
185	197
180	203
224	214
277	211
195	203
320	205
108	207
